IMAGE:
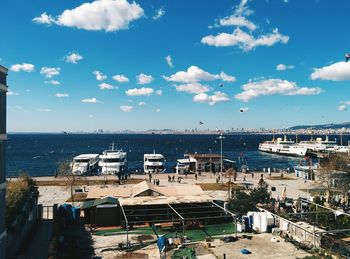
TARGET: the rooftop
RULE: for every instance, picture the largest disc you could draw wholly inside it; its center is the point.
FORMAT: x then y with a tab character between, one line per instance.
132	191
3	69
203	155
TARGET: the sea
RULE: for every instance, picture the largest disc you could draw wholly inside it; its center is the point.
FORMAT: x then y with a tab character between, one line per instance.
39	154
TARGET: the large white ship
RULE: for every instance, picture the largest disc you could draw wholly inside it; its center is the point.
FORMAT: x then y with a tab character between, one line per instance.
113	162
282	147
85	164
153	163
318	145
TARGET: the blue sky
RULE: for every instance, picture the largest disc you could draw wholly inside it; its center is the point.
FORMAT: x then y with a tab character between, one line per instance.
171	64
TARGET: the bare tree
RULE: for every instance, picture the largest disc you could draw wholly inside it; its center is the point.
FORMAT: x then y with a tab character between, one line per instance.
334	174
64	169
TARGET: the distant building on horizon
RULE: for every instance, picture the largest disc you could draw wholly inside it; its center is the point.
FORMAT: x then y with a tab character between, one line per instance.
3	137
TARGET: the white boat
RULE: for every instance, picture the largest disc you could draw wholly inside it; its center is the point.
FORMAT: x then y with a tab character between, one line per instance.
153	163
319	145
113	162
85	164
185	165
282	147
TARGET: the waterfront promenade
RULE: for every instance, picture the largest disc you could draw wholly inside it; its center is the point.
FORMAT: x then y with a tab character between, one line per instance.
53	190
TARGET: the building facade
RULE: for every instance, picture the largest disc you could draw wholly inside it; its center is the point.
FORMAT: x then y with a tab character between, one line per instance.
3	137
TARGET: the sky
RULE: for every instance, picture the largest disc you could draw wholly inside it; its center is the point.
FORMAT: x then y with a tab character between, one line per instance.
138	65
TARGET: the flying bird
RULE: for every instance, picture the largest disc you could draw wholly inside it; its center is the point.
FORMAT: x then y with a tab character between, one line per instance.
201	123
243	109
65	132
347	57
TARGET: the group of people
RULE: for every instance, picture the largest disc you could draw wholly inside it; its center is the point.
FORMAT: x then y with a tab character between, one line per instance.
155	181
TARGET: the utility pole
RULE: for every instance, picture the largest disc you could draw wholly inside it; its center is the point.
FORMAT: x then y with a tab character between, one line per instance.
221	137
211	167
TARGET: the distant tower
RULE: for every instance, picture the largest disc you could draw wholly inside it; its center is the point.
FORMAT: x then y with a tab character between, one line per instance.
3	137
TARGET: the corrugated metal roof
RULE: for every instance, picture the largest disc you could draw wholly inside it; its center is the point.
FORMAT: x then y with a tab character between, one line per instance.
94	203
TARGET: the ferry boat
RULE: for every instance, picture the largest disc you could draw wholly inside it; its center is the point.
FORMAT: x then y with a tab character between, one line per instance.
153	163
85	164
282	147
318	145
113	162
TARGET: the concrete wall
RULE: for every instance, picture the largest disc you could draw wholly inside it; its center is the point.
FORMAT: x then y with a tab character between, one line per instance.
3	137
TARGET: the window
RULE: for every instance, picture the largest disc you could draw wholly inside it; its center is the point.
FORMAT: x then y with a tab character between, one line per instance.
2	160
2	78
2	112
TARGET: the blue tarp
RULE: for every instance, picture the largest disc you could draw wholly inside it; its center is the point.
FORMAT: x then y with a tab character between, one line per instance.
161	243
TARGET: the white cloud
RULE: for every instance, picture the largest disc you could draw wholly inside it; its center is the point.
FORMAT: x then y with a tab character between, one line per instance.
335	72
238	21
139	91
143	79
238	18
107	15
91	100
158	110
193	88
9	93
104	86
282	67
99	75
159	13
126	108
142	103
169	61
73	57
49	72
226	77
342	107
273	86
44	19
121	78
52	82
159	92
244	40
240	38
43	110
22	67
211	99
61	95
196	74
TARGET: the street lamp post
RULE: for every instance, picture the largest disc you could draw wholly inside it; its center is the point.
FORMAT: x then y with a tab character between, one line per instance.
221	137
211	167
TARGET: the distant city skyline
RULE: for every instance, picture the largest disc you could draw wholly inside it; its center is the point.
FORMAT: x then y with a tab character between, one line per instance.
138	65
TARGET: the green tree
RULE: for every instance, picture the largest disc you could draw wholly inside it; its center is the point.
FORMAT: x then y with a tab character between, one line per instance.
260	194
241	202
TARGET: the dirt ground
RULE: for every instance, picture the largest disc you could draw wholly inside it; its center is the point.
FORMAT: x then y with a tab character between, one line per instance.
260	246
